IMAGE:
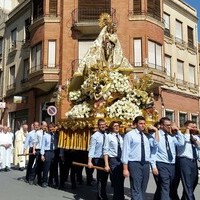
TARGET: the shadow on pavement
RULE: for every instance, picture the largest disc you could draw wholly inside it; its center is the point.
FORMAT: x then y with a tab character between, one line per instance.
85	192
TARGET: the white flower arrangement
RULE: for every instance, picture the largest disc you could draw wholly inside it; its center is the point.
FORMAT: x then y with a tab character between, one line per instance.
120	83
79	111
74	95
123	109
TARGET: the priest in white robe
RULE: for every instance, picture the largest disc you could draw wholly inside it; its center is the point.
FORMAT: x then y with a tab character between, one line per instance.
5	149
20	136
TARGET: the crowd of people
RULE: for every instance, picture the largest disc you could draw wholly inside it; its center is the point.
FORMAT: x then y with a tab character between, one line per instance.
170	153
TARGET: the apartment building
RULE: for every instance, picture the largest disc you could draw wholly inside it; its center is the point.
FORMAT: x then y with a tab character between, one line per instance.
180	92
45	41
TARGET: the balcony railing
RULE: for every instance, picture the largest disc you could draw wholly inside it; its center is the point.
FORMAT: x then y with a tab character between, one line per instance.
35	68
155	66
145	13
41	67
24	80
192	85
180	81
191	46
11	86
167	33
90	14
179	41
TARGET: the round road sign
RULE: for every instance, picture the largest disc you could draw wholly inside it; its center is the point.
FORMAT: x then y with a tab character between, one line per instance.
52	110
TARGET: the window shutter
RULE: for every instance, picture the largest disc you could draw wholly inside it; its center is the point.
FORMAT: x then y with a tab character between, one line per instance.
190	37
53	7
137	7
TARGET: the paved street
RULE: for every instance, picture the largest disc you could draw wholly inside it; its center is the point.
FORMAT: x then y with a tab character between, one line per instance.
12	187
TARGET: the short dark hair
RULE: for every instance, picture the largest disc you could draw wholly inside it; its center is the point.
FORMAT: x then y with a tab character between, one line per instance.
189	122
163	119
137	119
100	120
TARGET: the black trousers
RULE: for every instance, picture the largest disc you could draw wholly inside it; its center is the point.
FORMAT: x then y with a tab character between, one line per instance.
49	155
30	164
189	176
139	177
53	175
102	178
165	181
177	179
116	167
67	166
37	168
82	157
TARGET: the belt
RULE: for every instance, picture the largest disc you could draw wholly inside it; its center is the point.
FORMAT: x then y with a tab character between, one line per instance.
146	162
190	159
165	163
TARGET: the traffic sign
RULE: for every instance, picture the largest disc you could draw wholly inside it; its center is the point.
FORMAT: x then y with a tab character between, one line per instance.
52	110
2	104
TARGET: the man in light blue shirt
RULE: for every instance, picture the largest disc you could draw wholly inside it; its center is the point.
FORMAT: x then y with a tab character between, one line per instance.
47	153
95	156
187	156
163	164
38	164
136	157
29	143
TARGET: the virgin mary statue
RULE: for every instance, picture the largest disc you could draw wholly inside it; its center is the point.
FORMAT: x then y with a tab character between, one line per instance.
106	49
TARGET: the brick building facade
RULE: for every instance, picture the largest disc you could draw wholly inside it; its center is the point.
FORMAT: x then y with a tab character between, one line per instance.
55	34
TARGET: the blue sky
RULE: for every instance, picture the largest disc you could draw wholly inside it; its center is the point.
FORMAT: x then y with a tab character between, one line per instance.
195	4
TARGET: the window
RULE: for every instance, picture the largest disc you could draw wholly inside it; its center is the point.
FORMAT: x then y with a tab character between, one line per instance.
137	52
153	9
37	9
12	76
36	55
167	24
1	47
52	54
182	118
169	114
155	55
137	9
194	118
13	39
27	32
190	37
83	47
180	71
179	34
168	65
1	83
192	74
53	7
25	70
92	9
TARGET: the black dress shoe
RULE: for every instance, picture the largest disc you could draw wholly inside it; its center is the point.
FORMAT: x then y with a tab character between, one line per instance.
44	185
73	186
30	182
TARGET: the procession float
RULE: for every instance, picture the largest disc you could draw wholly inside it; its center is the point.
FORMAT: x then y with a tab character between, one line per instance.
104	86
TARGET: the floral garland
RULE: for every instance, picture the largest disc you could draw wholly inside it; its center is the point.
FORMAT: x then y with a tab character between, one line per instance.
74	95
123	109
79	111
